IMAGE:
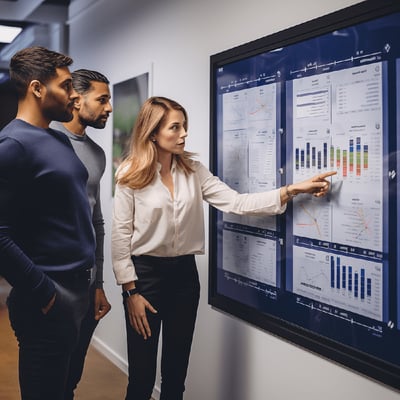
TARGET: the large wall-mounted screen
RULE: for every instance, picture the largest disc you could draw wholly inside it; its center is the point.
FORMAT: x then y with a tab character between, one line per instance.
321	96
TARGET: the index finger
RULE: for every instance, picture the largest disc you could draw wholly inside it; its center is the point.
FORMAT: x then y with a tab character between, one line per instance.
326	174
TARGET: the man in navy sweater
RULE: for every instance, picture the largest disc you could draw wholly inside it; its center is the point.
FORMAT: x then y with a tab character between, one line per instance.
47	242
92	108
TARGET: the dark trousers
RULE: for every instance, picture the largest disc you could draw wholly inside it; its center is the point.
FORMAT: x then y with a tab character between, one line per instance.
78	356
46	342
171	285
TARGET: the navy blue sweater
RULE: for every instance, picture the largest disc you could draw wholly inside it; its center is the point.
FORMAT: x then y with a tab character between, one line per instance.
45	219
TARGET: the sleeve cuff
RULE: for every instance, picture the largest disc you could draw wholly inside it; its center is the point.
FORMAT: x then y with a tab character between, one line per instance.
44	292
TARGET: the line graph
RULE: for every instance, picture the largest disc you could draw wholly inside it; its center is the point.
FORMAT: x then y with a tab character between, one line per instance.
351	283
312	220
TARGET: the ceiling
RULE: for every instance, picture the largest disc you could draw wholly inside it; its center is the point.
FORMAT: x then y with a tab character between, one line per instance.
35	17
19	10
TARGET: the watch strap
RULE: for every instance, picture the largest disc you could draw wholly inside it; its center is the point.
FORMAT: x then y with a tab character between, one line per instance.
130	292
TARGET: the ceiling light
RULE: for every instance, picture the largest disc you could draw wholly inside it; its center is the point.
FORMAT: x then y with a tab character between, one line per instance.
9	33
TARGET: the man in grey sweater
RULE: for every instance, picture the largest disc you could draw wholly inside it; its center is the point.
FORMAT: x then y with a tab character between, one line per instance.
92	108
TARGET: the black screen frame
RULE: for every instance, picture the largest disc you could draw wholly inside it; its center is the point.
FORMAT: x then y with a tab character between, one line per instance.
375	368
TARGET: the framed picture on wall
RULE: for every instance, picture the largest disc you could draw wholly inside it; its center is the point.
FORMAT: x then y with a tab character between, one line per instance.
320	96
128	95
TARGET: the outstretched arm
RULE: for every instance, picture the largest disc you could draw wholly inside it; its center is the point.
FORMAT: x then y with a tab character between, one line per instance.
318	186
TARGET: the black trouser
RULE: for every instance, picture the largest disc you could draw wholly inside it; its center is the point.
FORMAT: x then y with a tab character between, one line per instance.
77	362
171	285
46	342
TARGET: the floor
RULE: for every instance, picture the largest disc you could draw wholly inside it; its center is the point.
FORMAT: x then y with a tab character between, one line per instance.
101	380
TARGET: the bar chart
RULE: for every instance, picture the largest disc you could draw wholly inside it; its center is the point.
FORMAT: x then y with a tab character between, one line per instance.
356	282
350	160
351	283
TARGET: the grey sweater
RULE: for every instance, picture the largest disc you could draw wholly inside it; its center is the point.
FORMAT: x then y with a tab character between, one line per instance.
94	159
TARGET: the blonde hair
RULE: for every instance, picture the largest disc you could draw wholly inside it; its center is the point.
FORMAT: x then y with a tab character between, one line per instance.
140	166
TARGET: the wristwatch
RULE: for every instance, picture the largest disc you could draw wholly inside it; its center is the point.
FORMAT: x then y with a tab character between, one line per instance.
130	292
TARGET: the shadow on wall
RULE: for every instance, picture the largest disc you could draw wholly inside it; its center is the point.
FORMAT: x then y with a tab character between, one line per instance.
236	362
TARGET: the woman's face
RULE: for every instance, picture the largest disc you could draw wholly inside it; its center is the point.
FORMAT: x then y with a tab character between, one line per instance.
171	136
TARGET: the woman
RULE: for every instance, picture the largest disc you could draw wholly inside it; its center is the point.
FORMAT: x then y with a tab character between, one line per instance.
158	227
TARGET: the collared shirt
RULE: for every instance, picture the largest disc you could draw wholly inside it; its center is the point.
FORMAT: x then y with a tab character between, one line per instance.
150	221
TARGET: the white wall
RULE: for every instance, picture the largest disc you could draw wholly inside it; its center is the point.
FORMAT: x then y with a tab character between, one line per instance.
231	360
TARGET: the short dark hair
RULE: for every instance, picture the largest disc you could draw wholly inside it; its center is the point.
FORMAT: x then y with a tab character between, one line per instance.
82	80
35	63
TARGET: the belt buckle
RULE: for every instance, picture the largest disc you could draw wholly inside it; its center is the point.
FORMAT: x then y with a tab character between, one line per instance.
90	275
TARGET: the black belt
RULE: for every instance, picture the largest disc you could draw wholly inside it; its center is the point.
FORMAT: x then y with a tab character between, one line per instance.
176	259
78	277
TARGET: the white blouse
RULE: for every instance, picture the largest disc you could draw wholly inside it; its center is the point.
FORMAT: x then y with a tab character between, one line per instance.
149	221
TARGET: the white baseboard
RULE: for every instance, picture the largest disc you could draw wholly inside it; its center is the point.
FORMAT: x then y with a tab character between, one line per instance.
110	354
